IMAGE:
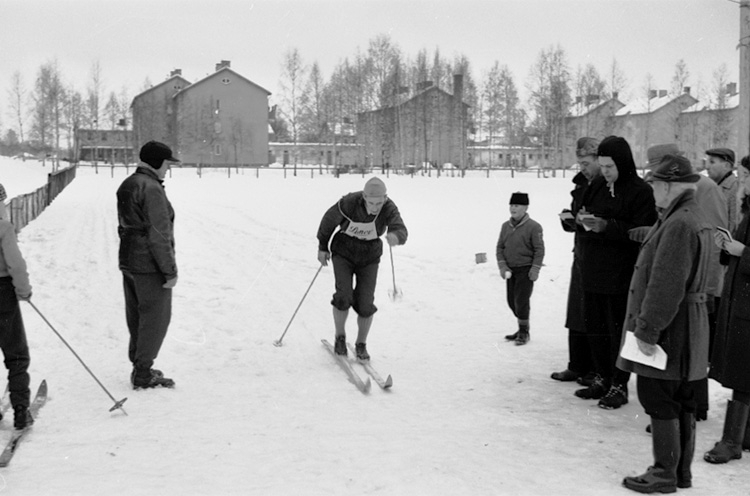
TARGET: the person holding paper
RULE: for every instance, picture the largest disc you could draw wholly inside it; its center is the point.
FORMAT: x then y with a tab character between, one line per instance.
613	204
666	307
580	362
730	358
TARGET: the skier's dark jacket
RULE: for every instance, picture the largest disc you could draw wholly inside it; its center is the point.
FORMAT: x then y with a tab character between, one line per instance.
358	251
608	257
146	225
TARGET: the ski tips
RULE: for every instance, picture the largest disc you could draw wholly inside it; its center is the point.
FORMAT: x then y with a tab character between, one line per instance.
388	382
277	343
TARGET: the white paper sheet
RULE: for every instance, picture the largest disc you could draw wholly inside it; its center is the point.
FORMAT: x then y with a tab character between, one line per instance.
630	351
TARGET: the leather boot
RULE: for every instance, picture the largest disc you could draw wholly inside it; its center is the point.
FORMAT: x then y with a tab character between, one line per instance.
730	446
661	477
687	449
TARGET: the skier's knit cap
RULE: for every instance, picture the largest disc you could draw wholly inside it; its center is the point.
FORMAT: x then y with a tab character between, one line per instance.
374	187
154	154
519	198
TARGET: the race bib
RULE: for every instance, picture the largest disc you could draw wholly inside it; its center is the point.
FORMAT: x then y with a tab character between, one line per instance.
365	231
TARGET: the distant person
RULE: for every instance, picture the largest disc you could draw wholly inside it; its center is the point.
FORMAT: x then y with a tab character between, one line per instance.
361	218
612	205
580	365
147	261
730	359
519	254
667	307
14	286
720	168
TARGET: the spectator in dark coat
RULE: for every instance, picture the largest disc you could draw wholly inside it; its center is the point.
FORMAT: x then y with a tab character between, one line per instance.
580	363
730	358
612	204
147	261
667	307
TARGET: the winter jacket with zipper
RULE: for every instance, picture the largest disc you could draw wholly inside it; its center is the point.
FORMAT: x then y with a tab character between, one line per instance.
146	226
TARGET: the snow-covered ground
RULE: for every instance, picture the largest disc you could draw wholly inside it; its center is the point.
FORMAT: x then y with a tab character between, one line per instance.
469	414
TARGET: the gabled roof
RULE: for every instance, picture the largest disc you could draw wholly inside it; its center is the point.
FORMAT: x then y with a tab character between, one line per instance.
579	109
733	101
222	70
650	105
174	78
414	98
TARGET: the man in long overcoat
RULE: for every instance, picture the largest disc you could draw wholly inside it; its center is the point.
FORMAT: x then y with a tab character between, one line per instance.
667	307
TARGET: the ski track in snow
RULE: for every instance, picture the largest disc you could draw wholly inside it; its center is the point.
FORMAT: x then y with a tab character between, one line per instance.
469	414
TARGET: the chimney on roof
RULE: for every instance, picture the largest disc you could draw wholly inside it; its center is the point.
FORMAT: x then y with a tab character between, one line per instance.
662	93
732	89
223	64
458	87
176	72
686	90
615	95
652	94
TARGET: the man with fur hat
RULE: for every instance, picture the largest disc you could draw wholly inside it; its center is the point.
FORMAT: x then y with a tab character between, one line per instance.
147	261
519	254
667	307
580	364
362	218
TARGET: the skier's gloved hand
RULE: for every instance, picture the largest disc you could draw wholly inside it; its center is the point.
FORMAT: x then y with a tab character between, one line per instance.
534	273
24	297
392	239
170	283
323	257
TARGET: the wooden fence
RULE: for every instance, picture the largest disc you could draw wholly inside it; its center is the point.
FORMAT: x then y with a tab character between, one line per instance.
25	208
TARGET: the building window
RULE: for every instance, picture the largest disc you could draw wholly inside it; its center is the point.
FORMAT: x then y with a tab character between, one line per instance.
104	136
217	149
177	87
225	80
500	156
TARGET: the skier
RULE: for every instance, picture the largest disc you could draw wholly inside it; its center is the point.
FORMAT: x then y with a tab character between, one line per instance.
361	217
14	286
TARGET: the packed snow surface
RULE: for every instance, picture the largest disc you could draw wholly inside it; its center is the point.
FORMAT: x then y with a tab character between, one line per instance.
469	414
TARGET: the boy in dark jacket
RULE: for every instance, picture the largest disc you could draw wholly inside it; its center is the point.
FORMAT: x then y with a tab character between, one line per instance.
361	218
14	286
519	253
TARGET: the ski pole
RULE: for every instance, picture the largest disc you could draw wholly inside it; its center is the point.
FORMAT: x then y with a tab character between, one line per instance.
118	404
277	343
395	294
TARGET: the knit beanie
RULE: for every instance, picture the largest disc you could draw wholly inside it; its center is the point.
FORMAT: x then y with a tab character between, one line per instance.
374	187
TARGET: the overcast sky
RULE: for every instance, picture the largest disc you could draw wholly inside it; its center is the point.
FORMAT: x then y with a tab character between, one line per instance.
138	39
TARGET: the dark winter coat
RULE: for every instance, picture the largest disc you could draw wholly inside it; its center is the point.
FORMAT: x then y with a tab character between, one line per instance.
667	298
146	226
607	258
574	312
730	361
360	252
